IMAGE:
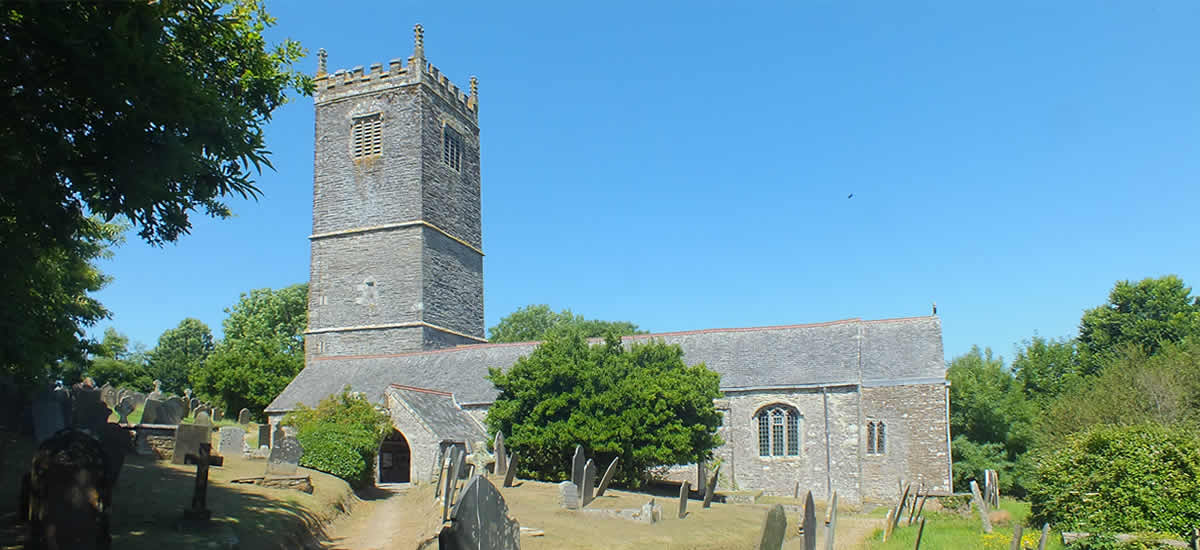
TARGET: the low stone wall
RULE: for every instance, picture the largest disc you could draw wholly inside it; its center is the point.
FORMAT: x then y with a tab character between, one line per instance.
157	440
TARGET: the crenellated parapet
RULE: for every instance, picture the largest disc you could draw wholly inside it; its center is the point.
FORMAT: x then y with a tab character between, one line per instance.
346	83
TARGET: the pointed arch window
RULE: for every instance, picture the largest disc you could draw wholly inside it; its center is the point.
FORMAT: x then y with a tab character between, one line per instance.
778	431
876	437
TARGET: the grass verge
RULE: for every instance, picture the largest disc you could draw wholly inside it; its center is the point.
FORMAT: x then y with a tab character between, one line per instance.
949	530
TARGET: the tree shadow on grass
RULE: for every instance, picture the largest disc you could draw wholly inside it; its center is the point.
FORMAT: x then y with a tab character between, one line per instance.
151	495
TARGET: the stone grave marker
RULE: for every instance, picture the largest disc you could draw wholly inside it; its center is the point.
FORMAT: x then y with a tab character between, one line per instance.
1046	536
121	393
108	395
230	439
139	398
126	406
187	393
244	416
501	456
900	507
152	411
774	529
442	465
178	407
568	495
202	418
192	402
188	438
157	393
264	435
284	457
1016	540
589	484
650	512
277	434
92	415
810	522
608	475
683	498
47	417
920	533
710	488
84	399
577	464
456	462
218	414
202	459
831	522
981	506
480	520
512	470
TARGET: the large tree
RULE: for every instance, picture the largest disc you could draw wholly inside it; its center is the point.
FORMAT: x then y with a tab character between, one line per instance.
535	321
263	349
180	351
1146	314
642	404
113	362
146	110
990	418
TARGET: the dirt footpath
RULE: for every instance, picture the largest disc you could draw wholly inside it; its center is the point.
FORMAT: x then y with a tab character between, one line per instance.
390	518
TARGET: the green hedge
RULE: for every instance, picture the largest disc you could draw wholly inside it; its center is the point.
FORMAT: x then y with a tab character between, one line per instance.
1120	479
341	436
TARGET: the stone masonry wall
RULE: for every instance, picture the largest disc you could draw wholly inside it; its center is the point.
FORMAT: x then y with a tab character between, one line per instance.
918	448
366	279
453	285
365	342
423	447
449	197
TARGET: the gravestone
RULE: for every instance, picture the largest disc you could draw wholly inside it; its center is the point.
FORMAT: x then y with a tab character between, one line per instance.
47	416
84	406
218	414
608	475
108	395
230	440
157	393
456	462
277	434
193	402
568	495
187	392
152	411
1016	540
810	522
981	506
512	470
124	407
501	456
710	488
683	498
139	398
67	494
650	512
244	416
202	418
831	522
1046	536
188	438
589	483
121	393
92	415
577	464
176	409
774	529
202	459
443	464
284	457
264	435
480	520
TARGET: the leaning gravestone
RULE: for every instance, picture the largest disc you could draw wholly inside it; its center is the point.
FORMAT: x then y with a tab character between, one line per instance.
589	484
577	464
188	438
152	411
231	440
710	488
568	495
480	520
683	498
284	457
512	470
244	416
831	522
608	475
774	529
47	416
501	457
123	409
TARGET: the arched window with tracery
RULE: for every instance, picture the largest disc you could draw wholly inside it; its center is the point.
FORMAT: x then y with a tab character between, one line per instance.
778	431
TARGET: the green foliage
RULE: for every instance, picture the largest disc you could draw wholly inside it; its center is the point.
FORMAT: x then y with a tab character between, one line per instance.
341	436
114	363
47	292
180	351
534	322
1098	541
1147	314
642	404
1047	368
1120	479
262	351
990	419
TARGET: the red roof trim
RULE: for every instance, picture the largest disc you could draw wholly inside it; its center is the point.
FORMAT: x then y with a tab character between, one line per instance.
422	390
633	337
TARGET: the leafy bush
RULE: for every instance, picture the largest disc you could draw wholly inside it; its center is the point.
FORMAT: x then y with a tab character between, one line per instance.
341	436
1120	479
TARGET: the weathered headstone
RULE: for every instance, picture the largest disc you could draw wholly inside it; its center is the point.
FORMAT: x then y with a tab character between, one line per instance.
123	409
501	456
887	524
157	393
912	508
608	475
108	395
1046	536
920	533
152	411
177	408
480	520
774	529
192	402
188	438
92	415
218	414
202	418
202	459
710	488
139	398
981	506
512	470
277	434
810	522
650	512
831	522
683	498
900	507
244	416
284	457
443	464
457	459
47	416
577	463
1016	540
67	494
568	495
187	392
589	484
230	440
264	435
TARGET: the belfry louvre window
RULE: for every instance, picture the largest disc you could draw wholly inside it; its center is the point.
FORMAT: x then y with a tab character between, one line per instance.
451	148
876	437
367	136
778	431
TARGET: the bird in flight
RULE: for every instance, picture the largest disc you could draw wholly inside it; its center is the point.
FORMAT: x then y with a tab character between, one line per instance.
850	196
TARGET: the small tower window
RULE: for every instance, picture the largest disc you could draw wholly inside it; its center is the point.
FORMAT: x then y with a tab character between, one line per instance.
778	431
367	136
451	148
876	437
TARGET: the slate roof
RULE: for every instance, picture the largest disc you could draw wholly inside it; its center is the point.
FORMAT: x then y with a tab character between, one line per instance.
439	412
850	351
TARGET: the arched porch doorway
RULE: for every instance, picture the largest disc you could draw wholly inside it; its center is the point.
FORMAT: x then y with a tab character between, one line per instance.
395	459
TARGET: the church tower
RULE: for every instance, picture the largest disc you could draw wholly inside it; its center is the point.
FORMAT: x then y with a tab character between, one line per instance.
397	259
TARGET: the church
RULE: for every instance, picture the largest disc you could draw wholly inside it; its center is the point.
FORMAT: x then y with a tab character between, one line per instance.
396	312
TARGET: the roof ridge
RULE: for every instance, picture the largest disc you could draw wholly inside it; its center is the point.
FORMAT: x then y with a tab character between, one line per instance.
423	390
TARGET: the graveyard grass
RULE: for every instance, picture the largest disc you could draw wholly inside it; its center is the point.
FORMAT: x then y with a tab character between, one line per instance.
951	530
151	495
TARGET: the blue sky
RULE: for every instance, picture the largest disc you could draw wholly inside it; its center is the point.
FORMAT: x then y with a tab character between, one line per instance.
687	165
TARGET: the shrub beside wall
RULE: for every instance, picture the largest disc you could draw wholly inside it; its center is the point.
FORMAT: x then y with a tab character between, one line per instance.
341	436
